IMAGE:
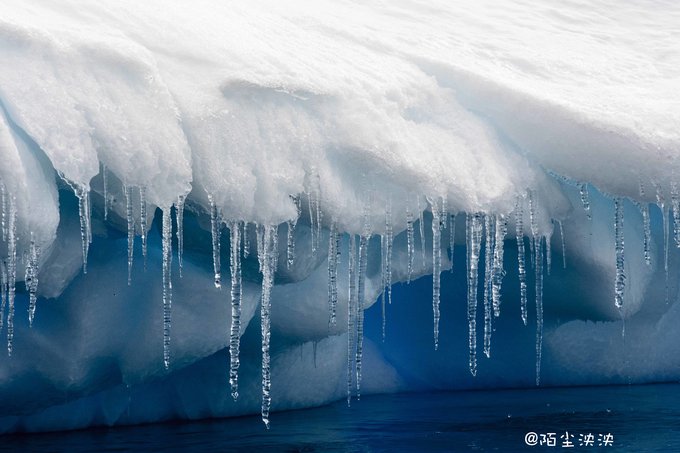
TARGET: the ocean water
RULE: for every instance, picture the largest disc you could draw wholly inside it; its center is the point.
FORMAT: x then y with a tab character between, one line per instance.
619	418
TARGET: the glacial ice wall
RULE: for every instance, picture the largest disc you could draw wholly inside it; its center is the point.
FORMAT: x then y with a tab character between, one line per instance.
308	160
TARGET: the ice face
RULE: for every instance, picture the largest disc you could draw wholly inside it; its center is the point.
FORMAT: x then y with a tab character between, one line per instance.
339	121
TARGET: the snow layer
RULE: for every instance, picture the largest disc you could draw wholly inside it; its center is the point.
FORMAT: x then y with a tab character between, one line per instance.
325	113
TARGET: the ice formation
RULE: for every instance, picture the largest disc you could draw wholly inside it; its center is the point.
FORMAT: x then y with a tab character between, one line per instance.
370	126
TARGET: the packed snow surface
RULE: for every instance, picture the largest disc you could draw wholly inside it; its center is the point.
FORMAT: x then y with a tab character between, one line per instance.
336	141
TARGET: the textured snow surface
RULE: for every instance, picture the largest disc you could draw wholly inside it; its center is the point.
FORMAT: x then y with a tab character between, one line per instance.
346	116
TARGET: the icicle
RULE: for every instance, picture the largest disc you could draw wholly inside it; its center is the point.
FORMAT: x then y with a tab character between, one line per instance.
564	247
647	235
664	215
620	283
675	204
267	256
259	244
106	191
179	218
351	315
4	289
410	243
452	236
386	257
3	197
389	241
383	295
421	225
548	253
444	215
130	230
319	215
539	306
521	269
31	278
142	220
167	283
215	227
474	239
489	224
533	225
585	200
246	241
312	223
11	269
498	272
436	266
665	237
235	333
361	294
290	243
83	195
290	240
333	253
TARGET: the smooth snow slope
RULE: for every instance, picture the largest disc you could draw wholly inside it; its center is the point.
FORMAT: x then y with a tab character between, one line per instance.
358	112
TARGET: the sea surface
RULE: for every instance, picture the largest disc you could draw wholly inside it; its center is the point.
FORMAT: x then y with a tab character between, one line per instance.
642	418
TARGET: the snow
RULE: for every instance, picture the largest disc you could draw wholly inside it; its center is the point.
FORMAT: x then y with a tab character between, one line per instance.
340	120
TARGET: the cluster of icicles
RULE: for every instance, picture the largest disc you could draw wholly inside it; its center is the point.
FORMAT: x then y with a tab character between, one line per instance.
485	233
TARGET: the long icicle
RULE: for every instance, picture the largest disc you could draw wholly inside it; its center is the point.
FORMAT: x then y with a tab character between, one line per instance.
312	224
539	305
620	283
4	289
647	232
533	224
386	255
83	195
421	226
389	233
11	269
235	331
333	252
452	237
105	182
351	315
548	253
564	247
290	239
489	224
383	296
130	230
179	218
498	272
3	203
521	265
167	283
660	201
585	199
215	227
410	244
474	239
436	265
31	278
319	214
361	294
267	236
142	220
675	206
246	241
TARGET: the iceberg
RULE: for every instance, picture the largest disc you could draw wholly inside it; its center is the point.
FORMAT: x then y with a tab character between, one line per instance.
201	204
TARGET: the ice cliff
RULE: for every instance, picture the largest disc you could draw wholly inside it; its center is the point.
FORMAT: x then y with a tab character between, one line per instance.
220	208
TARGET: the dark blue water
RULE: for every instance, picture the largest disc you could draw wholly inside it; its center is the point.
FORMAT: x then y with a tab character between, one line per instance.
637	418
